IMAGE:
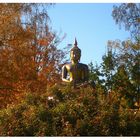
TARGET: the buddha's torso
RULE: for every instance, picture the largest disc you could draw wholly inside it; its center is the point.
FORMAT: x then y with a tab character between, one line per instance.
77	72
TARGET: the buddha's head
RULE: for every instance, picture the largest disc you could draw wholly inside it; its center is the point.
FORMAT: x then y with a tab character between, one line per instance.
75	53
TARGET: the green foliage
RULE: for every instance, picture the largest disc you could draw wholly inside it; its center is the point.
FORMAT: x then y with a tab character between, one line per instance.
73	112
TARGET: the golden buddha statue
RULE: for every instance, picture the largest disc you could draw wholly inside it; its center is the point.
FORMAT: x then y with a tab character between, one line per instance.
75	72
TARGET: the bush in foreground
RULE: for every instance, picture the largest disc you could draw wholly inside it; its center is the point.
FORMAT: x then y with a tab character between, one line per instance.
64	111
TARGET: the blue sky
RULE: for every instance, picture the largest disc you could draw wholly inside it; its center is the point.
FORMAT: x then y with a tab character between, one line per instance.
92	25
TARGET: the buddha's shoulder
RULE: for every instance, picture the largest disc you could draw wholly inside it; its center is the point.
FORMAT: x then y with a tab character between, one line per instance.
67	65
83	65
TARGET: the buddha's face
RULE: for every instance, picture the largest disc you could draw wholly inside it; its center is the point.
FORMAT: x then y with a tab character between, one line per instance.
75	56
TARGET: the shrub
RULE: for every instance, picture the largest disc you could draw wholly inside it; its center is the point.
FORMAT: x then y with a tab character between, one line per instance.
64	111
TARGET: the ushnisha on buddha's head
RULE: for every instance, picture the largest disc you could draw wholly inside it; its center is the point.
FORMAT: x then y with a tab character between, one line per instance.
75	53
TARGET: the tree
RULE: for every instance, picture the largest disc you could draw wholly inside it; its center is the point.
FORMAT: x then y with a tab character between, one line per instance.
128	15
128	51
28	50
127	73
94	73
108	68
123	86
